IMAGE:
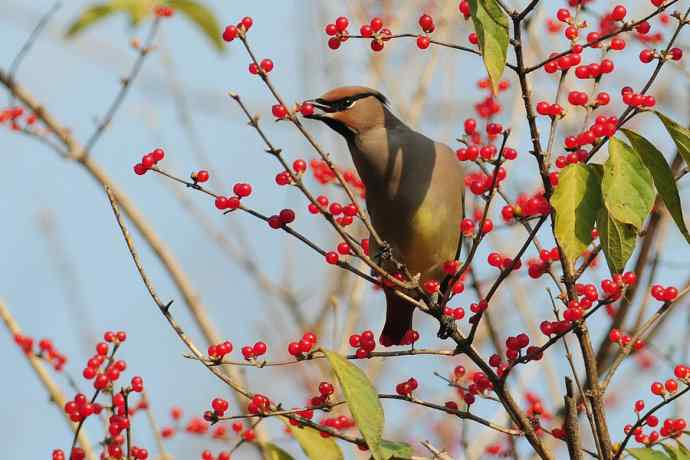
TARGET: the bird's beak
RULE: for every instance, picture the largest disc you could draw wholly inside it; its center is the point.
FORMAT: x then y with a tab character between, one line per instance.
321	110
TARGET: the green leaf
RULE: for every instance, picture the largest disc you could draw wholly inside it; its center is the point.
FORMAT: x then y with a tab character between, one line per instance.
491	25
617	240
273	452
662	176
576	201
679	452
138	10
627	185
647	453
89	16
314	446
362	400
392	450
679	134
202	17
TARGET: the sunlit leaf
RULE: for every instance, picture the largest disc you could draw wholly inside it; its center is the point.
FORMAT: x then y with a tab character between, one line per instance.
392	450
273	452
90	16
576	201
202	17
662	176
627	185
647	453
617	240
315	446
362	400
679	134
491	25
138	10
678	452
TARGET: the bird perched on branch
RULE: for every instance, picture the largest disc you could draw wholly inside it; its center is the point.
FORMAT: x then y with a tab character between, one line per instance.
414	190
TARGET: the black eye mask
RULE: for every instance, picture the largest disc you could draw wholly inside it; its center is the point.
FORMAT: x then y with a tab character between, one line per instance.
340	105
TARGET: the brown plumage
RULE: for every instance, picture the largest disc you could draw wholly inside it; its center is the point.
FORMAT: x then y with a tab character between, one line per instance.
414	189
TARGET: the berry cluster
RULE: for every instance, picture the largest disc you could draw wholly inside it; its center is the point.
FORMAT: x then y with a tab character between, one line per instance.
241	190
77	454
149	161
407	387
537	266
478	385
526	206
457	313
468	226
259	404
253	352
162	11
324	174
427	25
376	32
298	166
79	408
304	346
46	350
364	343
232	32
338	32
219	350
637	100
340	423
13	114
208	455
284	217
664	294
623	340
535	407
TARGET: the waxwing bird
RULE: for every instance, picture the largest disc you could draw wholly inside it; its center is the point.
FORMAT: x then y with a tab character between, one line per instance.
414	190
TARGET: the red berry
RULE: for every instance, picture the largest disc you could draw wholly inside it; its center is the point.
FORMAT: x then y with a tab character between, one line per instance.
332	257
426	22
294	349
563	15
266	65
431	286
646	56
618	13
331	29
376	24
201	176
286	216
259	348
242	190
341	23
137	384
247	22
423	42
676	54
671	386
230	33
279	111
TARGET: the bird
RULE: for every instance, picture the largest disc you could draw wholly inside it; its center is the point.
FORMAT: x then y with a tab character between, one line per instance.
414	191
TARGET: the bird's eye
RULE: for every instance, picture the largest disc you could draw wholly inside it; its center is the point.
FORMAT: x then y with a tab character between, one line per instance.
349	102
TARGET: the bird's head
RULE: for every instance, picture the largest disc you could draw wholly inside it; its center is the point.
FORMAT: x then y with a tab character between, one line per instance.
350	110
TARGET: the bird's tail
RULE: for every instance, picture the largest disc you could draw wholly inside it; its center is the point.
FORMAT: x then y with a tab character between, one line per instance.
398	320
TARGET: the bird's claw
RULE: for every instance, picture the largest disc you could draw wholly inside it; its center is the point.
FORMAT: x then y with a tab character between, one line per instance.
384	252
445	328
